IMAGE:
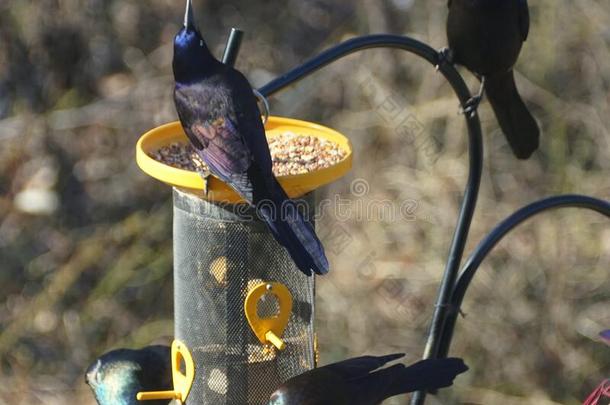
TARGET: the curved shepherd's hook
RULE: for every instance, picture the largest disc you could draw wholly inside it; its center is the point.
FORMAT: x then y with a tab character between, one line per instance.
491	240
475	151
453	288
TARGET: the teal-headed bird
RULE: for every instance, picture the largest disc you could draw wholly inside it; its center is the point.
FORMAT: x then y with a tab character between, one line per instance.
117	376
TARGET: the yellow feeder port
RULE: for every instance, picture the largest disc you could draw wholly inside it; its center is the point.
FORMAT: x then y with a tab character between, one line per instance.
294	185
183	382
269	330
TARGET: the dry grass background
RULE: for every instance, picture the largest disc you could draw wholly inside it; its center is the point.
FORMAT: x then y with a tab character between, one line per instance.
89	267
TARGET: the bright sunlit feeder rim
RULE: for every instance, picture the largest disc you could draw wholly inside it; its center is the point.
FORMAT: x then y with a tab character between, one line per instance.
295	185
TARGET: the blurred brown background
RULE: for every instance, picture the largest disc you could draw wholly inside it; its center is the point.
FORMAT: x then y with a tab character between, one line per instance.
85	237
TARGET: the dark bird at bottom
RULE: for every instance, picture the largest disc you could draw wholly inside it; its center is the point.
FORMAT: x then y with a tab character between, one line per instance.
355	381
486	37
219	113
117	376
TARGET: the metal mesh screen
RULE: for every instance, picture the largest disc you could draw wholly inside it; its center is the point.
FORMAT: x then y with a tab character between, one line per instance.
219	254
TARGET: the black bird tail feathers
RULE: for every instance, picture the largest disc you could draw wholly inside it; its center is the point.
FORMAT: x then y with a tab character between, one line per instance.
399	379
517	123
293	232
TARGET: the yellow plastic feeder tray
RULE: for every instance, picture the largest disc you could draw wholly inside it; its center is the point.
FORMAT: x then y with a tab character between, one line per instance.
242	309
294	185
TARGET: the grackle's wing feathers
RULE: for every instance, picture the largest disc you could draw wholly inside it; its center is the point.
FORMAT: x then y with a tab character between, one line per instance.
208	119
248	120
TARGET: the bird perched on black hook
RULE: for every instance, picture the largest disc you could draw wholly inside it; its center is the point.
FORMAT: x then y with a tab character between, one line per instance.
117	376
355	381
486	37
219	113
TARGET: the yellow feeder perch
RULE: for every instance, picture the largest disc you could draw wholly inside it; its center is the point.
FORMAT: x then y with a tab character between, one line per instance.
269	330
182	381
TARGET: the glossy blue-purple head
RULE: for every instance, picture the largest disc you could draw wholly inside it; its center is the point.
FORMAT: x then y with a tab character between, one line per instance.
192	58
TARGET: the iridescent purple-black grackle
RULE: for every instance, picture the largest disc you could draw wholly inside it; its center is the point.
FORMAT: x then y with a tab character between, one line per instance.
117	376
486	37
355	381
219	113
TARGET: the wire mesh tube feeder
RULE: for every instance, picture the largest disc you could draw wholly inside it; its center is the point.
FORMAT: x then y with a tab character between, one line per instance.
242	309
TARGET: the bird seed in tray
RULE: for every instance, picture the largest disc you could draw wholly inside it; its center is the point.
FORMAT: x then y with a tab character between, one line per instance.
291	154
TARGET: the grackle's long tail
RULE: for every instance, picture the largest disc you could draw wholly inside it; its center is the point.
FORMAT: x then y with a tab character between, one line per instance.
292	231
517	123
399	379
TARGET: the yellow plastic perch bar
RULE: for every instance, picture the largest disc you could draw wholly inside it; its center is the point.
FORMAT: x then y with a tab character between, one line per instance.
182	382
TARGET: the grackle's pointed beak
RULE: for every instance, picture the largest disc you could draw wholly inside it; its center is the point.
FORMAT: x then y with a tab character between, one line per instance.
189	18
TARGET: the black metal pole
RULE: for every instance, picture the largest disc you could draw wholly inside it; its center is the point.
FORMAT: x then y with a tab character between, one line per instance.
232	48
491	240
475	150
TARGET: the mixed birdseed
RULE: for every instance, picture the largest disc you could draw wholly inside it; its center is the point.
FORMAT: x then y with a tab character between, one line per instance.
291	154
179	155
